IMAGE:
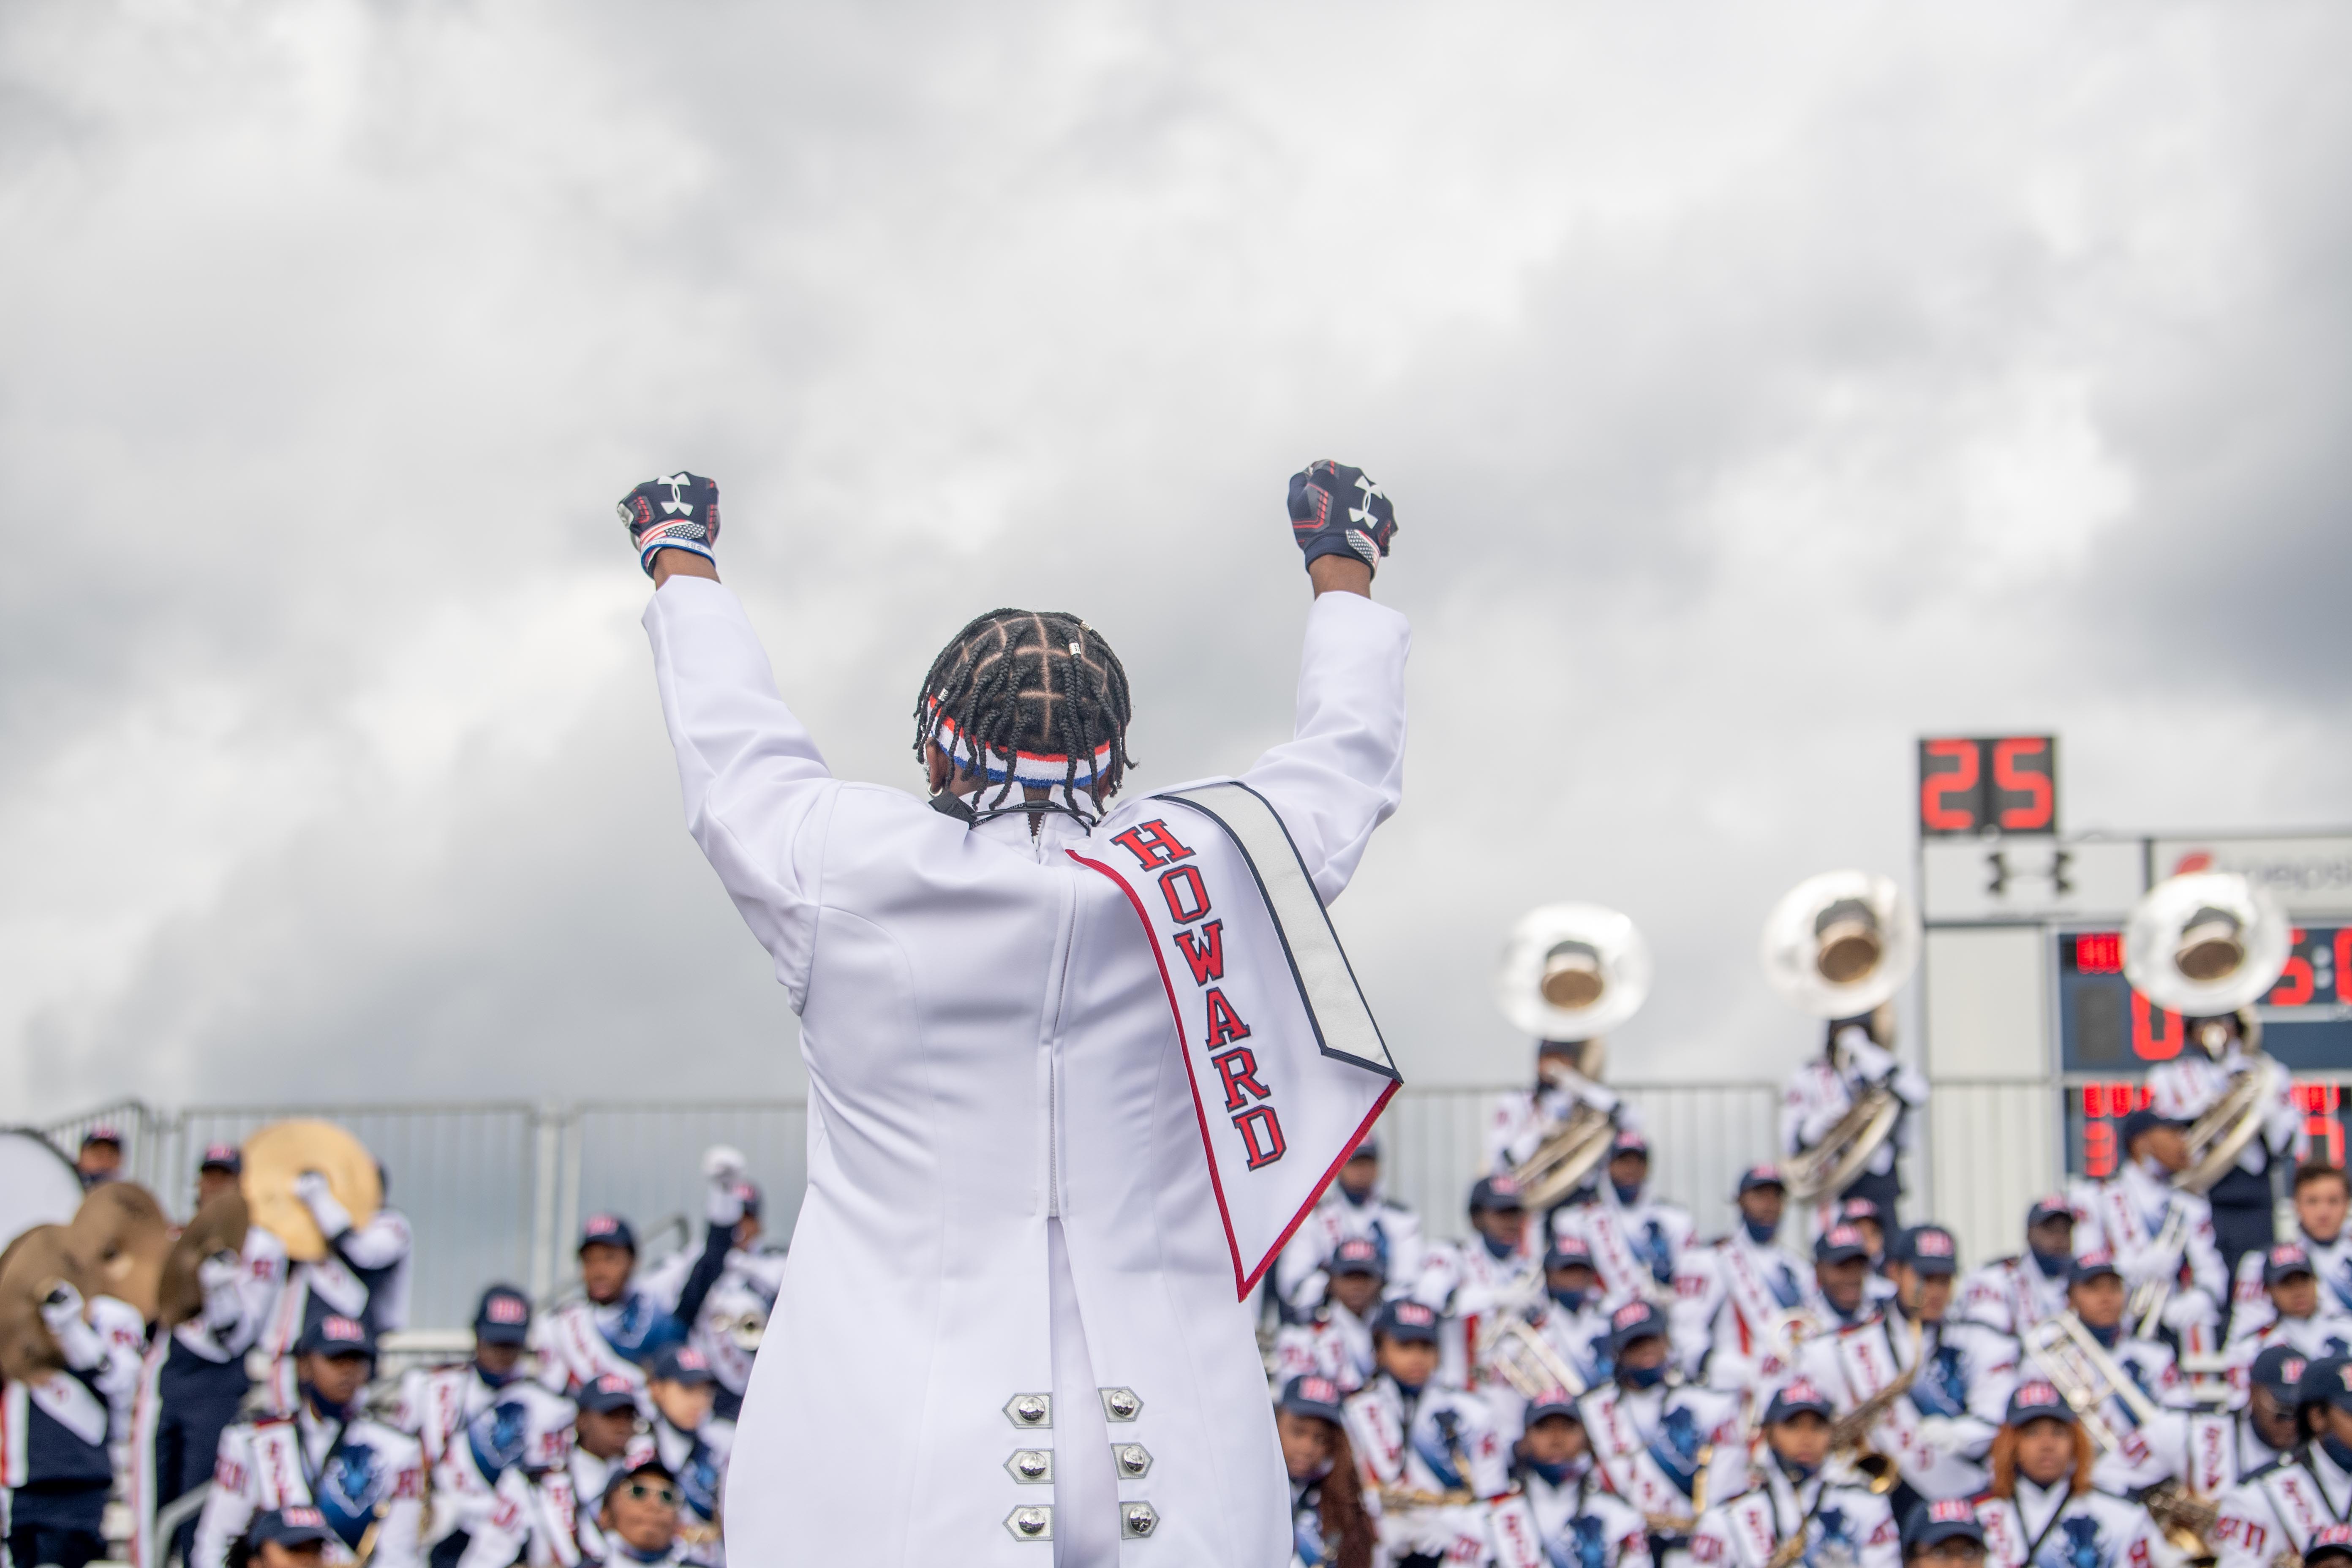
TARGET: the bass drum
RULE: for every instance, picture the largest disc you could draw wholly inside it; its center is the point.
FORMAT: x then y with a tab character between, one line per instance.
38	1186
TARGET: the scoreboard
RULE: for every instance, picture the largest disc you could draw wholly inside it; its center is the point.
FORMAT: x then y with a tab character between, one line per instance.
2023	968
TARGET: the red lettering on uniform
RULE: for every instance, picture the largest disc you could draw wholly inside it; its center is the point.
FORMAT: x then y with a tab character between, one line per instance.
1175	886
1238	1069
1151	844
1225	1026
1260	1134
1207	956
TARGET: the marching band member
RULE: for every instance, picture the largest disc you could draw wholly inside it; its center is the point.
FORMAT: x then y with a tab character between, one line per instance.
1429	1449
2190	1085
616	1327
2149	1454
692	1442
364	1274
1522	1118
1822	1090
56	1429
1337	1342
640	1516
1939	1429
1840	1294
1736	1300
292	1537
1579	1522
729	1282
2043	1509
1795	1492
218	1171
1469	1281
366	1478
2010	1294
2301	1317
912	936
2156	1232
1636	1240
1665	1449
1576	1322
1354	1209
2320	1203
1330	1525
1865	1216
1945	1533
99	1158
2275	1514
496	1446
437	1403
2225	1448
607	1440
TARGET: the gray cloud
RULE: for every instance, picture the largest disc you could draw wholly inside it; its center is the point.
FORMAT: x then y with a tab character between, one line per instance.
1759	393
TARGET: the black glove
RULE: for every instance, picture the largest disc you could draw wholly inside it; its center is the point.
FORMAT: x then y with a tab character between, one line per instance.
1336	510
677	511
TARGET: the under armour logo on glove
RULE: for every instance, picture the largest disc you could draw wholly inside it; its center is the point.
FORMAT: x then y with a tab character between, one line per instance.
1336	510
675	512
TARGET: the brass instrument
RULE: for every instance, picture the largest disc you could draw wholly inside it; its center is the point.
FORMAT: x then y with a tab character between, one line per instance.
278	1155
1849	1433
1840	945
1516	1352
120	1237
2207	944
1569	973
2145	1308
34	1265
2086	1377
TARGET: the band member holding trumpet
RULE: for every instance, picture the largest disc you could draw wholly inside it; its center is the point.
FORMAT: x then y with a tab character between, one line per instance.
1801	1504
2276	1515
366	1478
1580	1522
1839	946
1739	1308
2208	945
2129	1390
2160	1238
1664	1446
2042	1507
1495	1272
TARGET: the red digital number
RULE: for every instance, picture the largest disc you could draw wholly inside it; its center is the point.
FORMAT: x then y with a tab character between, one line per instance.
2295	982
2099	1151
2156	1034
2319	1102
2343	959
2099	953
2036	813
1961	780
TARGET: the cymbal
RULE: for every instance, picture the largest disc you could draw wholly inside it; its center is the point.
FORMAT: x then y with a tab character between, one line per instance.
120	1237
218	1226
278	1155
32	1266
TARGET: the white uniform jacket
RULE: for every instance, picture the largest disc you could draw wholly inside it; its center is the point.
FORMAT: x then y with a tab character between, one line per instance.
2155	1452
1735	1303
1298	1277
1009	1239
2010	1294
1466	1282
1335	1343
2191	1083
1635	1246
2277	1510
1520	1118
1845	1526
1938	1431
2224	1450
2052	1528
2251	1309
367	1479
1654	1444
1818	1095
1583	1525
1441	1442
2129	1216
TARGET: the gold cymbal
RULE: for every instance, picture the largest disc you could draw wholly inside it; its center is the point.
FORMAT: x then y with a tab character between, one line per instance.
32	1266
218	1226
278	1155
120	1237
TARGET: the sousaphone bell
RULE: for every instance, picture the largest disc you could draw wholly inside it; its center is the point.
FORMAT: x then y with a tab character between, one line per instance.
1569	973
1840	945
2208	945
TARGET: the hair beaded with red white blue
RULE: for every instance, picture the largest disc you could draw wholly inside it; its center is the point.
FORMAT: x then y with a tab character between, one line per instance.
1029	697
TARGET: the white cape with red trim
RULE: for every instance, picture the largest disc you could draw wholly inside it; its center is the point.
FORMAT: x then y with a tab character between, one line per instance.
1288	1068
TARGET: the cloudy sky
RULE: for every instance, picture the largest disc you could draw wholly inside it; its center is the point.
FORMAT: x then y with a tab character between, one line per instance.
1759	387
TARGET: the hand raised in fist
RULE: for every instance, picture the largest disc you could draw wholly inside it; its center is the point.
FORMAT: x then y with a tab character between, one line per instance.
1338	511
676	511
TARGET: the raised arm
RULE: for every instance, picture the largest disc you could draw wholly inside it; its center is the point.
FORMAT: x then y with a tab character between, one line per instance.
751	775
1341	773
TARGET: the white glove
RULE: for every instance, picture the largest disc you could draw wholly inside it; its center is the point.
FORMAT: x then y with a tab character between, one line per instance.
219	1275
62	1313
723	1205
724	1163
1941	1433
332	1217
1871	1061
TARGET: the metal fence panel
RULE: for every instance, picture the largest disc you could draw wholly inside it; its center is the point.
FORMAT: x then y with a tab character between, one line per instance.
1992	1149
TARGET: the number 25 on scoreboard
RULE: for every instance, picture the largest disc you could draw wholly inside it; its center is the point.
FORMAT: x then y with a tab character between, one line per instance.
1987	785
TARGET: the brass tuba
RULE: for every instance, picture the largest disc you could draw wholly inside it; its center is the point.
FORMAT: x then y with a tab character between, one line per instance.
277	1156
2208	944
1569	973
1840	945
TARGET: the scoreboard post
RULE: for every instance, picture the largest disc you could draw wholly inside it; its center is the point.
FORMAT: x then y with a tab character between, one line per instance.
2034	1044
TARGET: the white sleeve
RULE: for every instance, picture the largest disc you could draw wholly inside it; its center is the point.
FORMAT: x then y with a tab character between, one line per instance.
751	775
384	1241
1341	773
229	1507
265	1269
1882	1548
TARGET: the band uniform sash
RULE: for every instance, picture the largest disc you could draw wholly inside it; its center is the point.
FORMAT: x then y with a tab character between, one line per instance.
1288	1068
1625	1457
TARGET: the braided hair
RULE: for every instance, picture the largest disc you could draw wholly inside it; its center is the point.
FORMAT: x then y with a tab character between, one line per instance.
1029	697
